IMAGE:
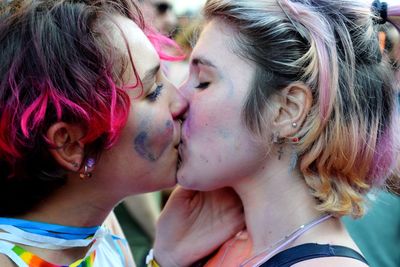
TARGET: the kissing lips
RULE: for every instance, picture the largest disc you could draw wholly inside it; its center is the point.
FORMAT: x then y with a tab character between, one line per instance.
180	153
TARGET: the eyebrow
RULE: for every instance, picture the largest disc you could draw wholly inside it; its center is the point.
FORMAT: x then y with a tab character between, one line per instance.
149	75
203	61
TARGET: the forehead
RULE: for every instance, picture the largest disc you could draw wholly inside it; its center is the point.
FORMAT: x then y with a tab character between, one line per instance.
143	53
216	43
214	59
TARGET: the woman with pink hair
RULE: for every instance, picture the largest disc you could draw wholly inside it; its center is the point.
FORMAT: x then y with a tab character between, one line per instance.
86	119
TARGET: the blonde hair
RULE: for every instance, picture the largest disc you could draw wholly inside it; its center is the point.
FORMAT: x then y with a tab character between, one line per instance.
345	145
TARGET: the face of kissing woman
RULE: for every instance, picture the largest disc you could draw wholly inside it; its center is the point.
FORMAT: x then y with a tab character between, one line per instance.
145	156
217	149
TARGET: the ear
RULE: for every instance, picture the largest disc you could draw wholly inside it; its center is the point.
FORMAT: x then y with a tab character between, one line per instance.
294	103
68	149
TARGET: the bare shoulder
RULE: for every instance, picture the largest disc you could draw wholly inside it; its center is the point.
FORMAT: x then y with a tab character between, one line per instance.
5	261
331	262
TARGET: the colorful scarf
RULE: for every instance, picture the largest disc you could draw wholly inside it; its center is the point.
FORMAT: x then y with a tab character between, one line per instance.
34	261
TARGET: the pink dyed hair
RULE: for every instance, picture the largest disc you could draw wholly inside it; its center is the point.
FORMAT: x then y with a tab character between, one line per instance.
58	64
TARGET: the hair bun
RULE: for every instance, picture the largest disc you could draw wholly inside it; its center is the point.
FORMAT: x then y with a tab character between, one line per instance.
380	11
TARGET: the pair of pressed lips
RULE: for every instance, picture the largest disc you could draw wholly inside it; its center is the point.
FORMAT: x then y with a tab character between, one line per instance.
179	146
180	153
181	138
178	132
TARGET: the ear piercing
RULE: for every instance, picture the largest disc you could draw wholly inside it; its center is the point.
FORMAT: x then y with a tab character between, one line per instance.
75	164
87	172
276	138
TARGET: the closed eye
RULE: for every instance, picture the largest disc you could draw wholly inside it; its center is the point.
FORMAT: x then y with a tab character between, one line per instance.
152	97
203	85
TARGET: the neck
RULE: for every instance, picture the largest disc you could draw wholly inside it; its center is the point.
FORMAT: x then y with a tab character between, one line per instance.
276	202
78	203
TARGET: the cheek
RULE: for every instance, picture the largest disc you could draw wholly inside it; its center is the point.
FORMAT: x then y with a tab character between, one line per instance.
212	119
218	108
212	135
220	164
141	144
163	136
206	112
153	138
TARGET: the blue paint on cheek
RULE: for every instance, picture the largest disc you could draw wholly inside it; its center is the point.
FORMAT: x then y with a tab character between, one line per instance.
141	147
169	125
166	137
225	133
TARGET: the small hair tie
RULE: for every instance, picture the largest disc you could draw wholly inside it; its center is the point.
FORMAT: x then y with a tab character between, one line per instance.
381	12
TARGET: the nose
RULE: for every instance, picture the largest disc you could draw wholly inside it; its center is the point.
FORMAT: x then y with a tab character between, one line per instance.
187	90
178	105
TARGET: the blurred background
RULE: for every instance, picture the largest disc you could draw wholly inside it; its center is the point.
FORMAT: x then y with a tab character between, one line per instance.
185	7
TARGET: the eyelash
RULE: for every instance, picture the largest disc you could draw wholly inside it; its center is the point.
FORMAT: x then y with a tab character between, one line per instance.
152	97
202	85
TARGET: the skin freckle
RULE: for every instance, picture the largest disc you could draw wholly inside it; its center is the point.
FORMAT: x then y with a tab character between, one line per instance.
204	158
225	133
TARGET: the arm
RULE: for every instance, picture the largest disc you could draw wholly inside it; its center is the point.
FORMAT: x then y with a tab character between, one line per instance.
194	224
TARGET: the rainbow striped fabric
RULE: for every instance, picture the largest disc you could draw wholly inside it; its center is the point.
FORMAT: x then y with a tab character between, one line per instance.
34	261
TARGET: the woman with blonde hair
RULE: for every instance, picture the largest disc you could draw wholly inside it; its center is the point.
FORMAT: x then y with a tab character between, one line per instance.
292	105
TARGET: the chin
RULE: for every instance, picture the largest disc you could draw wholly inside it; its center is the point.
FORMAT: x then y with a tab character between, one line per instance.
184	180
185	183
191	181
160	185
167	173
167	181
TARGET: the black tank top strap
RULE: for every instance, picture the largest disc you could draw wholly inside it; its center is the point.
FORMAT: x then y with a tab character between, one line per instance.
310	251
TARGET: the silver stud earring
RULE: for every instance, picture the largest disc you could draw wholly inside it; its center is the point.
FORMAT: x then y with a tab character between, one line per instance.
294	125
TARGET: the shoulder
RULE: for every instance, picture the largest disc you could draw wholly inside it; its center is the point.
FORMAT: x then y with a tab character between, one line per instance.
5	261
331	262
113	225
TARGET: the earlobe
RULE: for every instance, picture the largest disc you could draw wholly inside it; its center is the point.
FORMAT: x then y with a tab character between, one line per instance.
294	104
68	149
